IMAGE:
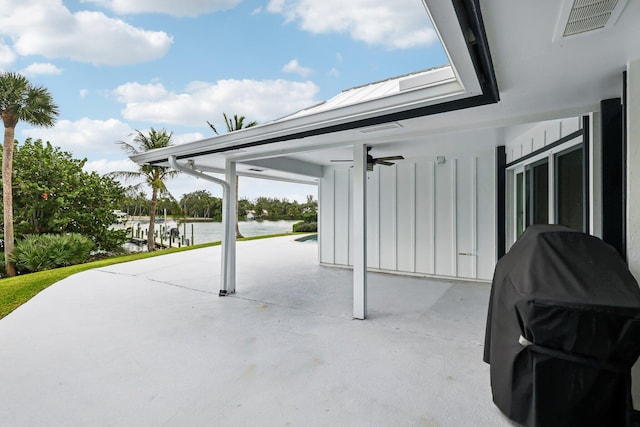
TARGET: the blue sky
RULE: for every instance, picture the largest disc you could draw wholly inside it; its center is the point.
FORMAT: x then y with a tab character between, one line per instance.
114	66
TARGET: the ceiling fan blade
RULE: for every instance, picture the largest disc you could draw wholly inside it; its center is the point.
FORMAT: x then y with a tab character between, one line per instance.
385	163
336	161
391	158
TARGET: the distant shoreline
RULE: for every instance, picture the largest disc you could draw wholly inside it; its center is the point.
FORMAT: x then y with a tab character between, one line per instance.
181	220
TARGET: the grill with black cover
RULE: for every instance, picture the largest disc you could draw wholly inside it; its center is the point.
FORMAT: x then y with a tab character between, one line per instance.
563	331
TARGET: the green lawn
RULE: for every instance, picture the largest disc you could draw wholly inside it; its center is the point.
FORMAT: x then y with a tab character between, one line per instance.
15	291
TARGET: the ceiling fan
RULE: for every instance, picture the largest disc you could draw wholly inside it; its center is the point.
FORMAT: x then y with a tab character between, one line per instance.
371	161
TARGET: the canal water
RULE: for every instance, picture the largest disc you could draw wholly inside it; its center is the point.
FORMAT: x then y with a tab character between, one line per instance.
205	232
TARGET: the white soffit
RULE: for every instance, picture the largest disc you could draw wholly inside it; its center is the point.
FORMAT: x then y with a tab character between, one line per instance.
582	16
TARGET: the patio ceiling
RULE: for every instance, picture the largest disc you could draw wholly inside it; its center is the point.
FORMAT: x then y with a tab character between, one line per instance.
540	76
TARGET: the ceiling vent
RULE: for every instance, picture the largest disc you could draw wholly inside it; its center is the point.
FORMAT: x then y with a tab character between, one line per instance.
581	16
378	128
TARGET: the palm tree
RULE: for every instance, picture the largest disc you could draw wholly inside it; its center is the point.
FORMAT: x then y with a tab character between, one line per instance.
236	124
19	100
154	176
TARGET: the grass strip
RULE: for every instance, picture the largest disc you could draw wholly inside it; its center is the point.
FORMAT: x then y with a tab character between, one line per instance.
15	291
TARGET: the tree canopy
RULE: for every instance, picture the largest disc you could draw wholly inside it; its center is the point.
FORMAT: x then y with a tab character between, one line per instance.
53	194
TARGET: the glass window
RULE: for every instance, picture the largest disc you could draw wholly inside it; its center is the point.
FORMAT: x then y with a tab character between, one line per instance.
549	189
569	189
538	192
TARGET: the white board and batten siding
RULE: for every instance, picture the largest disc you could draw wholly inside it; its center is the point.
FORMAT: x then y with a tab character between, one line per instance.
539	136
423	219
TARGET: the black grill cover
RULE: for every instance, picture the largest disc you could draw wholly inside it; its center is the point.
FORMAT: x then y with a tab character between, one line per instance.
563	331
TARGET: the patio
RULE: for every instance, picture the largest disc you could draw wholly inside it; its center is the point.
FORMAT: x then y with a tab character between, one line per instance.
151	343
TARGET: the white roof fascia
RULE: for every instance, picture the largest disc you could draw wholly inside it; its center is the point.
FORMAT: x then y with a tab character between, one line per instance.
410	99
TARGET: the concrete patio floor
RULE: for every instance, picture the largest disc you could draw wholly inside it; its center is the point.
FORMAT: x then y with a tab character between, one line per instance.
150	343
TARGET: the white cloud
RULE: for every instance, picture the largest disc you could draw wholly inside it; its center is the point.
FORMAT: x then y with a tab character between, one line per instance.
334	72
201	101
104	166
294	66
133	92
41	68
399	24
84	93
256	11
7	56
86	135
48	28
168	7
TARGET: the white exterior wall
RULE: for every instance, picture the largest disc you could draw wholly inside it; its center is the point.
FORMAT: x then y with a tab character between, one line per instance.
633	171
539	136
423	218
633	192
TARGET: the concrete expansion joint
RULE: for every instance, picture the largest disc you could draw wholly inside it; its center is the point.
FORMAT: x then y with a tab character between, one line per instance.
175	285
427	335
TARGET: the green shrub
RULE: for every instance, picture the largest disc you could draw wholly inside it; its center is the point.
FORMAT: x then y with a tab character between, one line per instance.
40	252
310	216
299	227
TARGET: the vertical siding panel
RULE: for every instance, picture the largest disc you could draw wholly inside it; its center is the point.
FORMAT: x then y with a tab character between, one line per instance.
486	252
454	217
373	219
465	214
443	245
424	218
474	218
327	215
405	217
342	217
350	218
412	220
432	219
388	201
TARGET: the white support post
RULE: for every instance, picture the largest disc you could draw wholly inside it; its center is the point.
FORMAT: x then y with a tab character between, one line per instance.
228	253
359	231
229	225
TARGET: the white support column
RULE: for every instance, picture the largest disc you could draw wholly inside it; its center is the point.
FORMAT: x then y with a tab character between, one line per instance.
359	231
229	224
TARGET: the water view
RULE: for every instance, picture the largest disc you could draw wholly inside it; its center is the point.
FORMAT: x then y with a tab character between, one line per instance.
205	232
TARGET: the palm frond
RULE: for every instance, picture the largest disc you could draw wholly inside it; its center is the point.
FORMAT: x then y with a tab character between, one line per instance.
126	175
128	147
211	125
20	100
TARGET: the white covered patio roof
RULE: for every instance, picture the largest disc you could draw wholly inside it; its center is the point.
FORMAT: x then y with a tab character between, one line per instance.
534	71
